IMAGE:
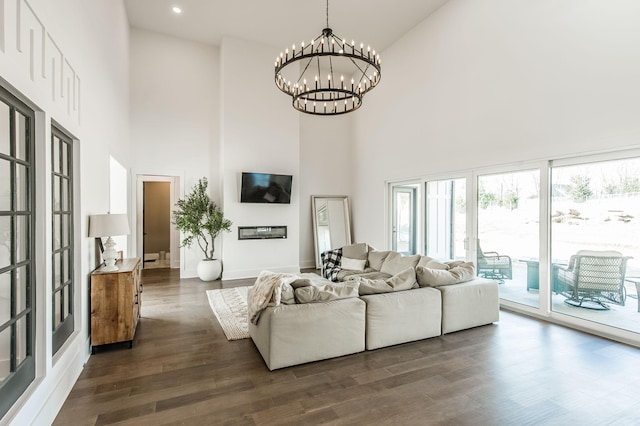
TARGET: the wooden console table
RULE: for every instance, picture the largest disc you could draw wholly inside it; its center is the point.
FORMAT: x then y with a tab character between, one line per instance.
115	303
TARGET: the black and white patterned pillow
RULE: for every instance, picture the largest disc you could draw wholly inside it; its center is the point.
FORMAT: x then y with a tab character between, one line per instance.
331	260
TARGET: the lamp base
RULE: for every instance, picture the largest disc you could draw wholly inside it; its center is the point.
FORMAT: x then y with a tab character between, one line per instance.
110	256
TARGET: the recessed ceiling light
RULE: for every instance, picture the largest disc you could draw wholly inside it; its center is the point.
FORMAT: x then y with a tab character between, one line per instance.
176	10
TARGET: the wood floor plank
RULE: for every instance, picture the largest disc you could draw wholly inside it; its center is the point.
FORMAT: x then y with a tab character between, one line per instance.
183	371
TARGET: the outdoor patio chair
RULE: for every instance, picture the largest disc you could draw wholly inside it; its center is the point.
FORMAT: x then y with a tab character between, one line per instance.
594	278
493	265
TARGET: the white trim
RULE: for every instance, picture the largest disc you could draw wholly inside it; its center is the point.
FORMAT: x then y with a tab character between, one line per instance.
176	255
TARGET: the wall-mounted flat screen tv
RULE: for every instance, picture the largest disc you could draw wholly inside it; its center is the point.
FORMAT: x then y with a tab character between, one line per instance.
265	188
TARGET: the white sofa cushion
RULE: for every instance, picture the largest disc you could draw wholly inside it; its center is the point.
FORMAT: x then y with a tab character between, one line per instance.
395	263
376	258
405	280
326	292
294	334
469	304
429	277
402	316
352	264
355	251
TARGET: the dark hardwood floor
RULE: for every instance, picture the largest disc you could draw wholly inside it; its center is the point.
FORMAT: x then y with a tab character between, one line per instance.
182	370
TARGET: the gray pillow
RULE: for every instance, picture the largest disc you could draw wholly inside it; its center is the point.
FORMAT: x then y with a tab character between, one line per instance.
355	251
326	292
376	258
396	263
424	260
434	264
286	295
405	280
301	282
428	277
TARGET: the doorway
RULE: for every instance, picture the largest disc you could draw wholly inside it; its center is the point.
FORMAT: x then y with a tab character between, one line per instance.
157	239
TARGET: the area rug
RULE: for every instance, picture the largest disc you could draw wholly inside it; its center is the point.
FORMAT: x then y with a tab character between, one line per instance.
230	308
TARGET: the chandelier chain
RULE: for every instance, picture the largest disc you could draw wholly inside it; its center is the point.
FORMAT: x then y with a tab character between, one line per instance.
327	13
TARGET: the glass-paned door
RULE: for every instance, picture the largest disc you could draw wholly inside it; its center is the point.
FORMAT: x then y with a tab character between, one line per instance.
595	239
404	219
508	247
446	216
17	280
62	236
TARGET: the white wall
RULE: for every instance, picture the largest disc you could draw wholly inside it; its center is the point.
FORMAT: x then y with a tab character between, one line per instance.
81	82
325	169
175	116
490	82
260	133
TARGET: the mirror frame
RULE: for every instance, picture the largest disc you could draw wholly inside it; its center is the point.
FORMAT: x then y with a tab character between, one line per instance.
347	216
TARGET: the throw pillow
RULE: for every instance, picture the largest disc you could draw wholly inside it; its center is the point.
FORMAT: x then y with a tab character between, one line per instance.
424	260
405	280
326	293
376	258
355	251
428	277
286	295
434	264
396	263
301	282
352	264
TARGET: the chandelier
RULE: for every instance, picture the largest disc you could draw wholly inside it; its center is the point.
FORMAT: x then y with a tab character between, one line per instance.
328	76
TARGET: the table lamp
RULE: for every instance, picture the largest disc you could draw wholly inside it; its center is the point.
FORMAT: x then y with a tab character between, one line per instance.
108	225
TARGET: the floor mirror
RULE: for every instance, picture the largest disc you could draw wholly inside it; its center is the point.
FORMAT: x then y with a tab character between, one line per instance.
331	223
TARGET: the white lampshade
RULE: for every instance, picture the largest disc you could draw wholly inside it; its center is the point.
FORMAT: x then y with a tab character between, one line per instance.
108	225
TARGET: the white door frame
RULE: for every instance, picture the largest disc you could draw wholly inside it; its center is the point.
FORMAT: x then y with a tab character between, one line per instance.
174	235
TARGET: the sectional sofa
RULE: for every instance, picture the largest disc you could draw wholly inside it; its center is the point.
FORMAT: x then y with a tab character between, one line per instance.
397	299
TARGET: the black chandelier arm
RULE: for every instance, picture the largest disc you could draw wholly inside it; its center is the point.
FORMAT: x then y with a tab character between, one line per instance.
283	64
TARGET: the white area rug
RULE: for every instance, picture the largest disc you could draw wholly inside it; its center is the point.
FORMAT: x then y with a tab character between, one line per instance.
230	307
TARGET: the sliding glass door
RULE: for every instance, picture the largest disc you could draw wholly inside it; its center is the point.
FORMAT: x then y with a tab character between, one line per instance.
508	240
446	216
595	241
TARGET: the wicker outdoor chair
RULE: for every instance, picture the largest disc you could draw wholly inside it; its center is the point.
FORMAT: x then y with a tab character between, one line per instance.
494	266
596	277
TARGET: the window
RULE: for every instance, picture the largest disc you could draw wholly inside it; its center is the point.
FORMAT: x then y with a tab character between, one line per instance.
17	280
446	217
62	238
404	218
508	243
595	224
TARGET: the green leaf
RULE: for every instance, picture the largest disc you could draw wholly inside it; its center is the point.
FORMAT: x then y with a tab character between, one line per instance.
200	219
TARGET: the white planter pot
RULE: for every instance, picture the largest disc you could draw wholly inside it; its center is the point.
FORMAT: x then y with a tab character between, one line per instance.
209	270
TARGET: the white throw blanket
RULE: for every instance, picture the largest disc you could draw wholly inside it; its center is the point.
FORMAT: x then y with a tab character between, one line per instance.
266	292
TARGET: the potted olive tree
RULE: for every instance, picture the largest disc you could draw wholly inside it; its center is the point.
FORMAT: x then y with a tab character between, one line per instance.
201	220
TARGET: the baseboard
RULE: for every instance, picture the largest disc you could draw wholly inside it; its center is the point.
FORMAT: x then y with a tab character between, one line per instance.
43	402
306	264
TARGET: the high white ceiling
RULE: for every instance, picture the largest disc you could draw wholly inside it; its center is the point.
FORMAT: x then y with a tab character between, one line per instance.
281	23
